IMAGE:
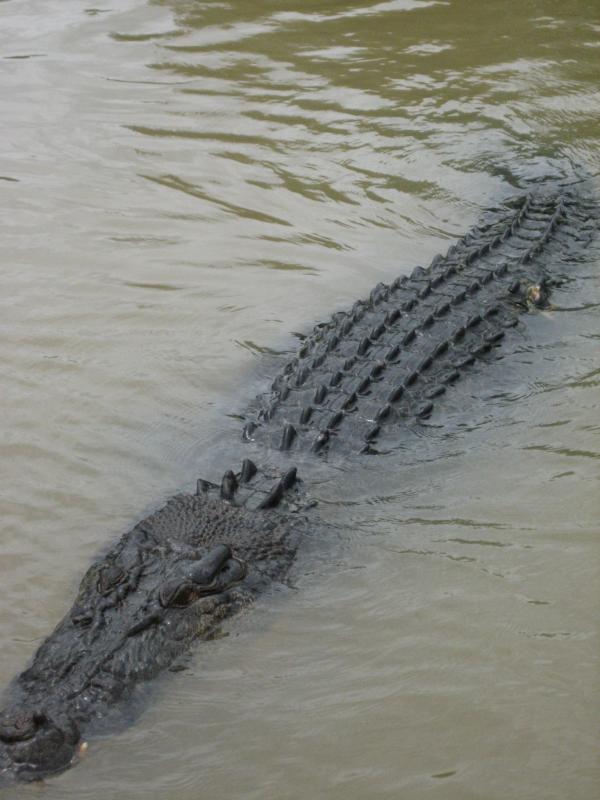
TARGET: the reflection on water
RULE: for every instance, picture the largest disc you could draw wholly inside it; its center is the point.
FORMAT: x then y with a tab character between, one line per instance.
184	184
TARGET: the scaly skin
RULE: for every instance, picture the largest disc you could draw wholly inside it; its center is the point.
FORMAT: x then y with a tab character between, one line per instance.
354	383
391	357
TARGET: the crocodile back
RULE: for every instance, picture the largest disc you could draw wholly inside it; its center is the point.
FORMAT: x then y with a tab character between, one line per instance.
391	357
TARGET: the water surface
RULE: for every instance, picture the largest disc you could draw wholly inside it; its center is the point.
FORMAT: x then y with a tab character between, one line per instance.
185	184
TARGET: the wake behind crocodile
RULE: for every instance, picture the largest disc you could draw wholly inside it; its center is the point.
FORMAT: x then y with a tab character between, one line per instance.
358	383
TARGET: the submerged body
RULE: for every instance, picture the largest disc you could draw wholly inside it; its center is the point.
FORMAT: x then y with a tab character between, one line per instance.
355	383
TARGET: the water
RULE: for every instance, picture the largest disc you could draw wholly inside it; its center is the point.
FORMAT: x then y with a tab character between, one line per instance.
184	184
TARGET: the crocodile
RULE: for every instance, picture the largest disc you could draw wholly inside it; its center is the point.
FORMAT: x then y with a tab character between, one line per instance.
354	385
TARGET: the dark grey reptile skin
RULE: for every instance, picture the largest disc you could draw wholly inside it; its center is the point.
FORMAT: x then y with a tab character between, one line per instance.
354	383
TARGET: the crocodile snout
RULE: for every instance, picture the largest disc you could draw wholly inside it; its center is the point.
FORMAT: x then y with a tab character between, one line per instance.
33	745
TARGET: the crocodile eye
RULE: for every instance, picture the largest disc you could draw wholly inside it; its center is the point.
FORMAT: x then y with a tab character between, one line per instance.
178	596
109	577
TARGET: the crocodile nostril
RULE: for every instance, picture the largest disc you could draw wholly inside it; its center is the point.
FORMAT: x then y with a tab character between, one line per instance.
83	620
19	727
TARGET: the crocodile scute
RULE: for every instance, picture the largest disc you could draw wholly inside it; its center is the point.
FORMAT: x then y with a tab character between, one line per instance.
355	383
390	357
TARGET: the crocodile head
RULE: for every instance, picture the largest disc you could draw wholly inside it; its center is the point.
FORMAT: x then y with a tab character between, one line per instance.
170	580
136	611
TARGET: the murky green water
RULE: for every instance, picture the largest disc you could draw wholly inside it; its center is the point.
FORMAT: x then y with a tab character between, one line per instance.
183	184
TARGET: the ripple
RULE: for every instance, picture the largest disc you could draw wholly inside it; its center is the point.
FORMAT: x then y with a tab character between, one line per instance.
186	183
